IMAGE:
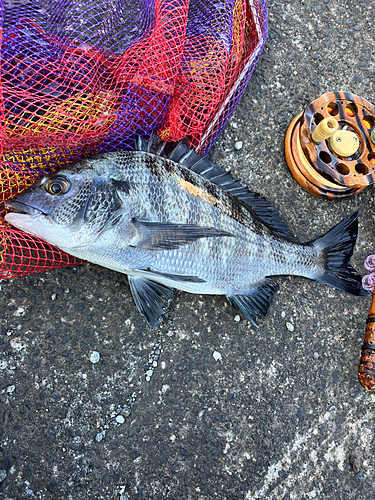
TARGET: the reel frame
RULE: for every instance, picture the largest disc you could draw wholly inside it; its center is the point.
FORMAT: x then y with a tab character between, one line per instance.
319	168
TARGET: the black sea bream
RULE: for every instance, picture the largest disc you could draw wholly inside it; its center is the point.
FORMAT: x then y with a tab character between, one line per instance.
169	218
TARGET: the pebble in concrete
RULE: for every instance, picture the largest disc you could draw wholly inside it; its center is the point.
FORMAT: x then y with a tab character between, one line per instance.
94	357
217	356
99	437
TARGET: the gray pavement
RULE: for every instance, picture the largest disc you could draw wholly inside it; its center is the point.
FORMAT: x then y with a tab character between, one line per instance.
206	406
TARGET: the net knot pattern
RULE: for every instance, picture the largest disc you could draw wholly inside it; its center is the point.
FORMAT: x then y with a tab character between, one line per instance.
81	78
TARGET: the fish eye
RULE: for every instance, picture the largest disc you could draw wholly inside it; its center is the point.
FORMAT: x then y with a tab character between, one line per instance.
57	185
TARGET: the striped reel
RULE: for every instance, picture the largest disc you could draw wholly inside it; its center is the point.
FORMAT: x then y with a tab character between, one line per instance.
330	147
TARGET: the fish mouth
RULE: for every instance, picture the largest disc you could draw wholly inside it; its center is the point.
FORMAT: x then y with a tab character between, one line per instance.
21	208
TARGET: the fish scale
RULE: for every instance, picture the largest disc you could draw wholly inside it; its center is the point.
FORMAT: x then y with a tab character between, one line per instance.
248	256
168	226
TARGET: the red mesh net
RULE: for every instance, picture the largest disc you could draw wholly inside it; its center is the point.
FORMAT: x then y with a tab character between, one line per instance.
83	78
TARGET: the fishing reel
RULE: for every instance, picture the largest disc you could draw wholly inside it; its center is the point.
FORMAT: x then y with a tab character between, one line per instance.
330	147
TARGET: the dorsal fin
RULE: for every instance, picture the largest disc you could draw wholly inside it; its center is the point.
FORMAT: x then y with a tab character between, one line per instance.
181	153
141	144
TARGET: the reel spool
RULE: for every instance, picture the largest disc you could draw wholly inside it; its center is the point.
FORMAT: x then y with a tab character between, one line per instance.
330	147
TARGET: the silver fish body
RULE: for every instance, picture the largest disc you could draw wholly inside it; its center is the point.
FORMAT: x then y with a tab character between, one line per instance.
169	226
226	265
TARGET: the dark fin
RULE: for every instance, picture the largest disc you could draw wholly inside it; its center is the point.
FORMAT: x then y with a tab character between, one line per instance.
176	277
181	153
168	236
256	301
141	144
150	298
262	209
337	247
176	151
123	186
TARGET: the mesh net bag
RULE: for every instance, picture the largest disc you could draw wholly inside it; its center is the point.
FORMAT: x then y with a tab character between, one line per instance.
80	78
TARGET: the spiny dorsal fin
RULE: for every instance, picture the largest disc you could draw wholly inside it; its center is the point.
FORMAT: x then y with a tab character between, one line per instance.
181	153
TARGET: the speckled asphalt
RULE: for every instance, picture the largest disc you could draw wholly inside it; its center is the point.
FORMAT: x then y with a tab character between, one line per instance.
206	406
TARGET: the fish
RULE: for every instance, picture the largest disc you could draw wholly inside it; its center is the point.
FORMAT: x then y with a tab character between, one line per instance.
170	219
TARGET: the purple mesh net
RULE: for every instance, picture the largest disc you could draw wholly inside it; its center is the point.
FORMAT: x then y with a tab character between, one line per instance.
80	78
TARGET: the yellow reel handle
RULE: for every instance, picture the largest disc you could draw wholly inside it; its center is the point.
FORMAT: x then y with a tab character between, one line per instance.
325	129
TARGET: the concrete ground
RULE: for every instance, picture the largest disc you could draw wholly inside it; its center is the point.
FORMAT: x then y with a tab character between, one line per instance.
206	406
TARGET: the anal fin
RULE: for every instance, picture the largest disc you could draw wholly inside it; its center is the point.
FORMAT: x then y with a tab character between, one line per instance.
256	301
150	298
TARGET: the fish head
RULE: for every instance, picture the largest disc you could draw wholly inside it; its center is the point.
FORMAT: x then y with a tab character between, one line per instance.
69	208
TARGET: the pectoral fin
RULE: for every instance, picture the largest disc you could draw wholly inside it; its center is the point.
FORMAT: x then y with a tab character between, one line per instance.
256	301
168	236
150	298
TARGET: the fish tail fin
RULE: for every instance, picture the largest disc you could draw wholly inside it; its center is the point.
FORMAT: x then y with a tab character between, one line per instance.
336	247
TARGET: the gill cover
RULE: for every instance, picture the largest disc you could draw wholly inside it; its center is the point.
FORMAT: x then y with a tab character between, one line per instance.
68	209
